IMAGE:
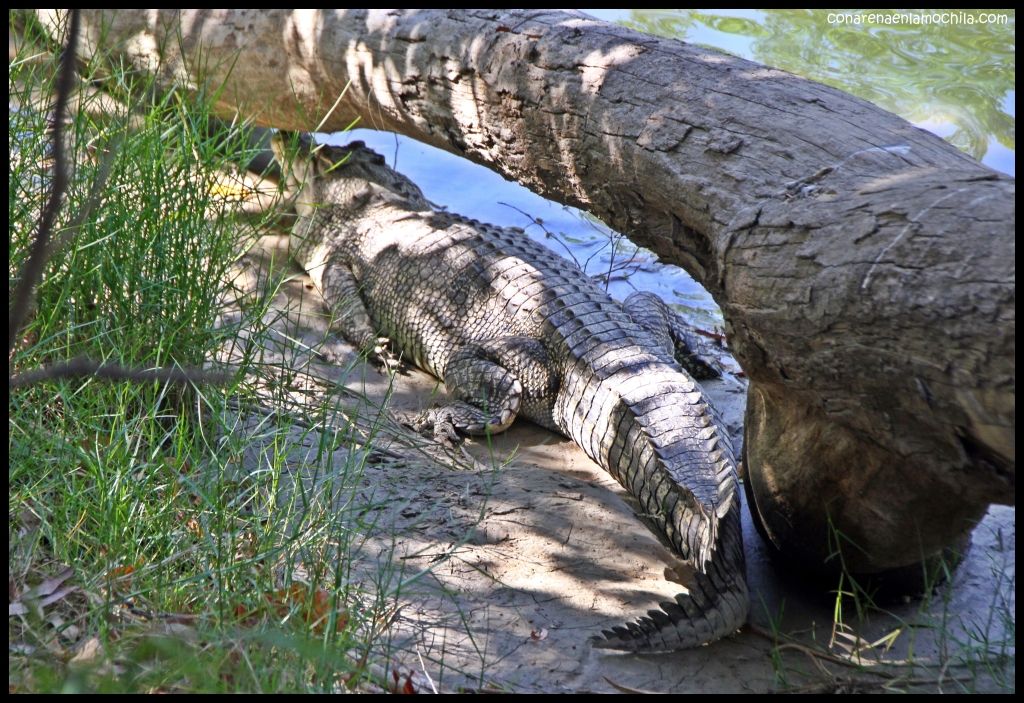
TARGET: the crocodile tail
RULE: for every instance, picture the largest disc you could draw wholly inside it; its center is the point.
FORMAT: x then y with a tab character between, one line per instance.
660	438
715	605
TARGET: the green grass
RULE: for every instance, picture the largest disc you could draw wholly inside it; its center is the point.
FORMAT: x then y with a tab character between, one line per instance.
157	539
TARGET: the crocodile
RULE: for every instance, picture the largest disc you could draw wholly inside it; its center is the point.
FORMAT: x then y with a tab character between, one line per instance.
514	330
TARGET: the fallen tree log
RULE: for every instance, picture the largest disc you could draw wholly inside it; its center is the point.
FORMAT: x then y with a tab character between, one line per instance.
865	268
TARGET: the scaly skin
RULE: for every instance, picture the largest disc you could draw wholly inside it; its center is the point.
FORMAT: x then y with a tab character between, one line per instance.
514	330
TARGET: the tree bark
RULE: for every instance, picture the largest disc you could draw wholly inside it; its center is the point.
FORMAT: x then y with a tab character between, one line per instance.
865	267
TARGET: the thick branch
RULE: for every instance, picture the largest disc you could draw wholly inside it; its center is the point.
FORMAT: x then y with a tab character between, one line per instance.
865	267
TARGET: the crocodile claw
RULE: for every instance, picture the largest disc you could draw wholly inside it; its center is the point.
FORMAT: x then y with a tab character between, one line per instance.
442	425
378	352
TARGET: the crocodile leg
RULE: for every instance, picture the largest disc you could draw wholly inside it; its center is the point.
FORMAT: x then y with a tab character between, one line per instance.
349	317
493	381
675	335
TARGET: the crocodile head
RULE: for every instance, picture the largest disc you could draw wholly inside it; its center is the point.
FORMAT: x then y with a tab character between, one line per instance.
307	166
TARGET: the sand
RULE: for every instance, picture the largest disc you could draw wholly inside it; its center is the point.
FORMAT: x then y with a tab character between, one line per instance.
505	556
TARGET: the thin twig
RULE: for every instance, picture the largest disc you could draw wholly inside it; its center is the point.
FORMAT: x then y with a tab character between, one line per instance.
626	689
425	672
40	247
81	366
550	235
863	666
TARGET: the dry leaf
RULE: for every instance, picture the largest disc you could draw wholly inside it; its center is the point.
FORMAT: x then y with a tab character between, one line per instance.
315	611
194	527
50	585
88	652
57	595
398	687
120	578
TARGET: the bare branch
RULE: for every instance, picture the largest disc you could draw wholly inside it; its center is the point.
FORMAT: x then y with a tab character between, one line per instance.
40	246
81	366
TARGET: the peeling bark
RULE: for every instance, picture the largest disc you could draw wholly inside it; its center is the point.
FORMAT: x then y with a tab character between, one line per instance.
865	268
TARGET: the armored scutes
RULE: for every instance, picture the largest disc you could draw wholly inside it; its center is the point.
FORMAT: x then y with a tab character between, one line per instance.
514	330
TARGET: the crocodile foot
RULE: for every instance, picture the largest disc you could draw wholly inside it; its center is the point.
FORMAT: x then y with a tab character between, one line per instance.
442	424
378	352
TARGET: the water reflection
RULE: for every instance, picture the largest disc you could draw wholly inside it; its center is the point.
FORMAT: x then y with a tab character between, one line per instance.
956	80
